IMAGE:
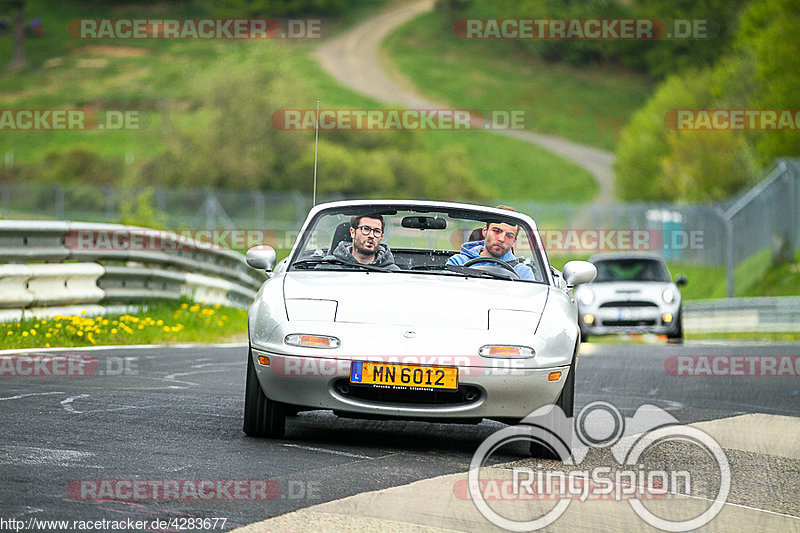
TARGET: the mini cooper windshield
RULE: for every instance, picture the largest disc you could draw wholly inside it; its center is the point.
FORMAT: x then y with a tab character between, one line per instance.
409	239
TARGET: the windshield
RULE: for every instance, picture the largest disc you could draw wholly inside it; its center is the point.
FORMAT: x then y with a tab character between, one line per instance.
631	270
409	239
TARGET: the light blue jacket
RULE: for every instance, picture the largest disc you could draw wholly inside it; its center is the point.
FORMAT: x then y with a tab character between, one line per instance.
471	250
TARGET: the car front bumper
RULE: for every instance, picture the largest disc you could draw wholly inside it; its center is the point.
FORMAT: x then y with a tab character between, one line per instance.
495	389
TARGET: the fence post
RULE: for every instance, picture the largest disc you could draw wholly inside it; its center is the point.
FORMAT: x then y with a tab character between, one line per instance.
730	262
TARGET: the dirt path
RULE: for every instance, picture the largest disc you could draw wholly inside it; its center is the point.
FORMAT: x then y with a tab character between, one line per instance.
353	58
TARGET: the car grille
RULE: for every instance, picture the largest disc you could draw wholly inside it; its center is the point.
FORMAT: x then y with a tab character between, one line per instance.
629	303
464	395
624	323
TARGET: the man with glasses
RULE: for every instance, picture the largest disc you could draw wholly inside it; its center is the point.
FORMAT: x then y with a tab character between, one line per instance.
498	241
366	232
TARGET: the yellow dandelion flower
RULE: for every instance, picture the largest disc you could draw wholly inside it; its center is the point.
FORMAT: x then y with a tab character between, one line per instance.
220	323
33	332
83	312
47	335
165	329
140	326
217	306
10	333
184	305
47	345
24	333
159	323
113	331
80	333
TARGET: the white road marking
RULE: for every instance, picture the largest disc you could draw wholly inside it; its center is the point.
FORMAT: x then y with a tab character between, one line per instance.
34	456
325	450
66	403
122	347
17	397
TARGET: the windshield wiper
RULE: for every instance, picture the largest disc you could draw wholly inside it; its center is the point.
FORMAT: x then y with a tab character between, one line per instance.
337	261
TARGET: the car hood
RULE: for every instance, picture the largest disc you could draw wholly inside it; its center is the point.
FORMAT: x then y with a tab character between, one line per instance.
419	299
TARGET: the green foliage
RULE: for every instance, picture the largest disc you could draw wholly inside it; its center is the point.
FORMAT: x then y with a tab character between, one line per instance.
657	57
137	209
657	163
769	34
275	8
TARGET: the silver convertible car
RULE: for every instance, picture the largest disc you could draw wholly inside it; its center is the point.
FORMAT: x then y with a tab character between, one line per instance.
632	293
415	310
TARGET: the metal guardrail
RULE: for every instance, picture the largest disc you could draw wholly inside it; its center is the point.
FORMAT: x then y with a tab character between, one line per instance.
779	314
51	264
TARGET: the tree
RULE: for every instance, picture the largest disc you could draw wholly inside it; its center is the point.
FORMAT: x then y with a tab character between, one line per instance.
18	7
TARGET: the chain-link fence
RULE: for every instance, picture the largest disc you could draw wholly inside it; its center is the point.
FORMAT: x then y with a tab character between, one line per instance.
766	218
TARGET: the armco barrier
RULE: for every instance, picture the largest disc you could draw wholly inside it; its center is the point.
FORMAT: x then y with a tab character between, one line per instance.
742	315
51	264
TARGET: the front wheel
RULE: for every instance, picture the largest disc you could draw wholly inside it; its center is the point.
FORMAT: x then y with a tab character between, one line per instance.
565	402
262	417
676	336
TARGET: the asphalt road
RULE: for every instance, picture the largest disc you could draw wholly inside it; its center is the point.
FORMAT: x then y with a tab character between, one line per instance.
174	414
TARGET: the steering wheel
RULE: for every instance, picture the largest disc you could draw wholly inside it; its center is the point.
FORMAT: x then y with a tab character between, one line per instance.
493	260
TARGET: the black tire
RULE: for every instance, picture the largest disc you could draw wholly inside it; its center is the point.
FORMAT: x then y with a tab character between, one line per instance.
565	402
676	337
262	417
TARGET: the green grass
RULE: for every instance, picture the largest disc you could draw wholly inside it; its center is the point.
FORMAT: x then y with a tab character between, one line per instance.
588	105
156	323
147	75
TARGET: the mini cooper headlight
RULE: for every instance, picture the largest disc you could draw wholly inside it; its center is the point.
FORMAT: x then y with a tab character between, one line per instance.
312	341
668	295
586	296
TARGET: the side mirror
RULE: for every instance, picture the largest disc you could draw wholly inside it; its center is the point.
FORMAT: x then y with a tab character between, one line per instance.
261	257
577	272
681	280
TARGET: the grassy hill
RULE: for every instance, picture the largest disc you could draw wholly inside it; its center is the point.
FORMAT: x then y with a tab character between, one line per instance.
589	105
175	87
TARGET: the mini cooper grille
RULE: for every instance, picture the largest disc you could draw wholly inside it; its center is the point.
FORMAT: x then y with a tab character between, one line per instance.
629	323
464	394
629	303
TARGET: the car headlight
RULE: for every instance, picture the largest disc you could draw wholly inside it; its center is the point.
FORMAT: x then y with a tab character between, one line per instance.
586	296
668	295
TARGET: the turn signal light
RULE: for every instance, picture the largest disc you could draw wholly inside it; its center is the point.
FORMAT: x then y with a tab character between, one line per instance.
313	341
506	351
588	319
667	317
554	376
264	360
